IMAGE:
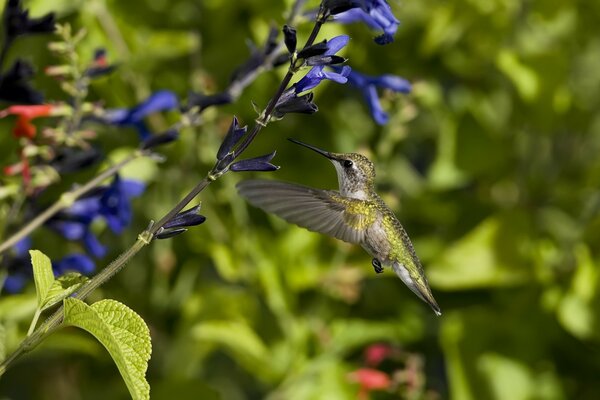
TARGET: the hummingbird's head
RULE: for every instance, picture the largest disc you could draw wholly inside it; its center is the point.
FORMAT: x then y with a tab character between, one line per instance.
356	174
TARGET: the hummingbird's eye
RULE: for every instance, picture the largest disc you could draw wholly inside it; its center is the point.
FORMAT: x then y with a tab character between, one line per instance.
348	164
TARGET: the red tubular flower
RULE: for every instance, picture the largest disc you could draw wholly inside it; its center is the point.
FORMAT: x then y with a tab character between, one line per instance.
370	379
23	127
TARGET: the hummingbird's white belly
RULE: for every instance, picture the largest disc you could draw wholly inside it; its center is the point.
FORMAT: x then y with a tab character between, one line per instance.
376	242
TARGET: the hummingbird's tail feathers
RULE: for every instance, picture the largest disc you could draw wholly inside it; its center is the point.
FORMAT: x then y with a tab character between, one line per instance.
420	287
313	209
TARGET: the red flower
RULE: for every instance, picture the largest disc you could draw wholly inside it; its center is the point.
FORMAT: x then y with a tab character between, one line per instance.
23	127
370	379
376	353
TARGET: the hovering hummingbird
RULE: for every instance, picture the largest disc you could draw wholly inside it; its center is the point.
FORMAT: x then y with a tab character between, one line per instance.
355	214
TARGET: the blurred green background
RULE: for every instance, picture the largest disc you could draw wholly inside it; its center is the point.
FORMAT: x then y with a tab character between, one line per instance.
491	164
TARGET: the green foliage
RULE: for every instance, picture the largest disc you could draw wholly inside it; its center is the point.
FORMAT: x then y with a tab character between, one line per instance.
491	164
52	291
122	332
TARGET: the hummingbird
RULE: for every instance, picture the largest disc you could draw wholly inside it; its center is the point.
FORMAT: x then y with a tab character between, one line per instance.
355	214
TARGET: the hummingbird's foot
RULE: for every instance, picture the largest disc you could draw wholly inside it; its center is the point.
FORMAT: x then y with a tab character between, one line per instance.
377	266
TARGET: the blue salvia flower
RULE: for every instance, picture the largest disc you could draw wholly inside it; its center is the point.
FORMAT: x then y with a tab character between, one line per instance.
75	222
318	73
74	262
115	204
163	100
368	86
377	14
112	203
19	268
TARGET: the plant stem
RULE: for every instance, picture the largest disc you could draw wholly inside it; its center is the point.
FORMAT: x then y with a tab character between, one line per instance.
66	200
146	237
34	321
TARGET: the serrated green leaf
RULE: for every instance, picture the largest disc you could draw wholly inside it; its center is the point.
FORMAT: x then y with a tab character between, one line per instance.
122	332
63	287
42	275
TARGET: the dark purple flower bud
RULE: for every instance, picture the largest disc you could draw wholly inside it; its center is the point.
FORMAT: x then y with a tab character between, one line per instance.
14	86
337	6
169	233
324	60
233	136
69	159
17	21
255	164
316	49
186	218
289	38
290	102
158	140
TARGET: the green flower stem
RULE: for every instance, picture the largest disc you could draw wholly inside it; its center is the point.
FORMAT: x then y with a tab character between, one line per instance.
34	321
66	200
146	237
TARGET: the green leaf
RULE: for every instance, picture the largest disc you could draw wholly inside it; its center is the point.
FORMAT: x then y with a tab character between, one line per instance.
124	334
490	255
239	339
42	275
63	287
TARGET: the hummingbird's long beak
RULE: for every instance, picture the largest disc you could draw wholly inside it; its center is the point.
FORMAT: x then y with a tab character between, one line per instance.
313	148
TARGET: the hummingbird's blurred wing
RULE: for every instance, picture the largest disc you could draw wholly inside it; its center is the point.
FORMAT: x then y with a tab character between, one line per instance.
324	211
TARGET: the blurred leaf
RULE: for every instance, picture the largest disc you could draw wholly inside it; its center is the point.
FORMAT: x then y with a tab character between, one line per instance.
143	169
577	311
123	333
17	307
164	44
349	335
523	77
225	262
183	390
242	342
487	256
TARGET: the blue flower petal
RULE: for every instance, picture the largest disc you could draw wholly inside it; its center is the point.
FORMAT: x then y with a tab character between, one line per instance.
93	246
71	230
131	187
14	283
393	82
22	247
336	44
74	262
377	14
340	77
160	101
380	116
